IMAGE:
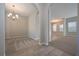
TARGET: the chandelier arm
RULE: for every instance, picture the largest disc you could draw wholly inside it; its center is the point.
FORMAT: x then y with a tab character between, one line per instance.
12	14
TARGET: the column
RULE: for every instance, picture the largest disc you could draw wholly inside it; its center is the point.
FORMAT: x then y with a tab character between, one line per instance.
50	32
65	27
43	15
50	25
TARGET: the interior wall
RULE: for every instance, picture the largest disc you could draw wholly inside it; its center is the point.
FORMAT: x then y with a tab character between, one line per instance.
2	29
77	40
34	27
16	28
71	19
58	33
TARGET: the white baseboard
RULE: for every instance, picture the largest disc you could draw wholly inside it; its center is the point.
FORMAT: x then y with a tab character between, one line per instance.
35	38
43	44
13	37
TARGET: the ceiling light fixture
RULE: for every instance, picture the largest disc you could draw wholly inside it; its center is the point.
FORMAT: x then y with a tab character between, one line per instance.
12	15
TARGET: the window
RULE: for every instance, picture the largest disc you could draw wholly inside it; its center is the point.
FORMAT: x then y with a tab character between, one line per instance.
61	28
54	27
72	26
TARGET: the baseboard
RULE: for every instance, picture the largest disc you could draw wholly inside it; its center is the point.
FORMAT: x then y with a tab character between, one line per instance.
14	37
35	38
46	44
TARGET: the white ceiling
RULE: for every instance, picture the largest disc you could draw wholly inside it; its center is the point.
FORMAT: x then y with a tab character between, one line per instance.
24	9
63	10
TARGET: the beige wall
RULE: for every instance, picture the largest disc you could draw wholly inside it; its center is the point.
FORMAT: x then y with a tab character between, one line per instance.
34	26
17	28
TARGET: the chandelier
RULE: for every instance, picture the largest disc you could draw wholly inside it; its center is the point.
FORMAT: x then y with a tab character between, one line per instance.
12	15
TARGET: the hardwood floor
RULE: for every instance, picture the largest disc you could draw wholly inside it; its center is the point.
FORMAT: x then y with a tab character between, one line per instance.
64	43
30	47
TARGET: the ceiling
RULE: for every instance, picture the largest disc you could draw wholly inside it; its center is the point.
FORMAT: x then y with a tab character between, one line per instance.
24	9
63	10
56	20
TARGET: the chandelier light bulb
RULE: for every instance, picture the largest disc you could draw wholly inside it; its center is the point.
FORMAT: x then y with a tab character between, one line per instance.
17	16
10	14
